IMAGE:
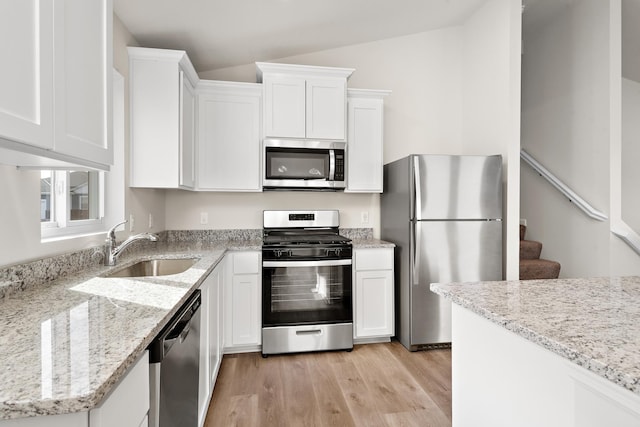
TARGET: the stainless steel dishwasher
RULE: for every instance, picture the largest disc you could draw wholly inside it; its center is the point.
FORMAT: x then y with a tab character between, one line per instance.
174	358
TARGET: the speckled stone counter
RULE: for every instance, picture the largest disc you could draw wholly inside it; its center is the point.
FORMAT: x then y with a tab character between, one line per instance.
591	322
371	243
64	344
68	334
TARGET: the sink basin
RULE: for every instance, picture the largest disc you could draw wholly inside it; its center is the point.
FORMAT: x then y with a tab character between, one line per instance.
155	267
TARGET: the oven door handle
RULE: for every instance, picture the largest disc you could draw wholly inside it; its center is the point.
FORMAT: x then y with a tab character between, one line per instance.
328	263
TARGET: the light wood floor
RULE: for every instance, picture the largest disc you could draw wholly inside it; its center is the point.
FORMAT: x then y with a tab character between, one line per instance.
374	385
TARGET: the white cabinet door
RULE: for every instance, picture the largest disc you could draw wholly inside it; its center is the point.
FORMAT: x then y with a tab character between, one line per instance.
162	108
215	323
242	295
245	322
304	101
365	141
83	79
128	404
76	419
204	388
285	105
210	338
374	303
56	96
187	133
26	83
373	293
325	108
229	136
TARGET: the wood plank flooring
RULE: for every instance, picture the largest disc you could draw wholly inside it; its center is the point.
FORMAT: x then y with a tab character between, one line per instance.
374	385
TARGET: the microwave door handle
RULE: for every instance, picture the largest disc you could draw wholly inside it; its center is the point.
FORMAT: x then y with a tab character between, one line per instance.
332	165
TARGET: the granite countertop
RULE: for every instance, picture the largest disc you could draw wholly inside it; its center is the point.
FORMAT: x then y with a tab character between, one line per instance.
591	322
371	243
65	343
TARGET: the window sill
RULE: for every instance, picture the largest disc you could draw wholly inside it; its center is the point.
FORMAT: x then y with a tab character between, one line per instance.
70	234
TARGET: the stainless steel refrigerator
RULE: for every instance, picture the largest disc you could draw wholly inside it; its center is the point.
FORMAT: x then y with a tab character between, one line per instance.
444	213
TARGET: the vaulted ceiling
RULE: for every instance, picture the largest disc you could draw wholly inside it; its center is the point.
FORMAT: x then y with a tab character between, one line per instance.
222	33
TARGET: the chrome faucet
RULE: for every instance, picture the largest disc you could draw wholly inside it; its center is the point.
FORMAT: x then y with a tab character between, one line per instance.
112	251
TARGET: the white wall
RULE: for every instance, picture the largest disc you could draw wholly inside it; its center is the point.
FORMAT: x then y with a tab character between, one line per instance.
571	124
491	104
630	153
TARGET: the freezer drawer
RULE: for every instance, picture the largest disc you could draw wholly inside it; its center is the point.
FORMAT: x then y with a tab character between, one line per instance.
448	251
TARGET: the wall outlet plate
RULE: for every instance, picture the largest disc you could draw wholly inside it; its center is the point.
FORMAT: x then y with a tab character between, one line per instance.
204	218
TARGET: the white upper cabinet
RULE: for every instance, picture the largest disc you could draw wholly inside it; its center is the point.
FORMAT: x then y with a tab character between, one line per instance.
162	87
26	87
284	106
304	101
229	136
83	75
55	100
365	140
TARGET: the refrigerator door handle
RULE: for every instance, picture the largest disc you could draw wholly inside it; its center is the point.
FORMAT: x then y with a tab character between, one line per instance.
417	188
415	253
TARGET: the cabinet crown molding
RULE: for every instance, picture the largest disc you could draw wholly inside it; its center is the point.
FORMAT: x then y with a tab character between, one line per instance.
220	86
368	93
169	55
301	70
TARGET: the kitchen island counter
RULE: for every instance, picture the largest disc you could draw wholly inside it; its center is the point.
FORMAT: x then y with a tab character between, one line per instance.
591	323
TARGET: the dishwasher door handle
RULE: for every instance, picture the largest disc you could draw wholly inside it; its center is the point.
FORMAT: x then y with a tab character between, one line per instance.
177	336
178	330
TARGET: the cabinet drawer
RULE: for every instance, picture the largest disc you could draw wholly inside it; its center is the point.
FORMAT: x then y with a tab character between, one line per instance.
246	263
374	259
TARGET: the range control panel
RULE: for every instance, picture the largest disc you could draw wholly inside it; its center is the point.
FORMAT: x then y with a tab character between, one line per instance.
302	217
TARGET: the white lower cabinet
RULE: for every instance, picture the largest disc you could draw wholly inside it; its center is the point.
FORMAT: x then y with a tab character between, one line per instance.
242	303
210	337
128	403
502	379
373	293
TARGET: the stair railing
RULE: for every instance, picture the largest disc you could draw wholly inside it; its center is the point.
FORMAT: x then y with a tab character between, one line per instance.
578	201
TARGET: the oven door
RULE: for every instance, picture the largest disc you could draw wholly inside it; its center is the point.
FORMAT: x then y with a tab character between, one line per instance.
306	292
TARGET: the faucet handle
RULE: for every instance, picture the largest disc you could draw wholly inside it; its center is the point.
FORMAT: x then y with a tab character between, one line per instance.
111	234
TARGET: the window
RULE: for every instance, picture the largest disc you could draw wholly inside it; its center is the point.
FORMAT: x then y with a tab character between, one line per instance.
70	202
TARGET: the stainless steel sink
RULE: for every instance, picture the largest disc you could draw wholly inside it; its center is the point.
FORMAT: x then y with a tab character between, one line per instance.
155	267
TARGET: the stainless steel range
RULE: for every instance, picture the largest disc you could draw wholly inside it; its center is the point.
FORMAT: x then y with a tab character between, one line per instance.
306	283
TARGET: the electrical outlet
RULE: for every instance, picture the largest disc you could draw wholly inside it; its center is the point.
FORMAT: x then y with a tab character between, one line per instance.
364	217
204	218
132	223
150	220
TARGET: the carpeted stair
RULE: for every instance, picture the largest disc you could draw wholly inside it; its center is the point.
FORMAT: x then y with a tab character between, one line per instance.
531	266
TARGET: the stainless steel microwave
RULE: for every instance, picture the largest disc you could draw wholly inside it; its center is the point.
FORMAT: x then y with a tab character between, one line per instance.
303	165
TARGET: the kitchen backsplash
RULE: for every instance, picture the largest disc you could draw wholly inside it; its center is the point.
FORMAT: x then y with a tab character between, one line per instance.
212	235
18	277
